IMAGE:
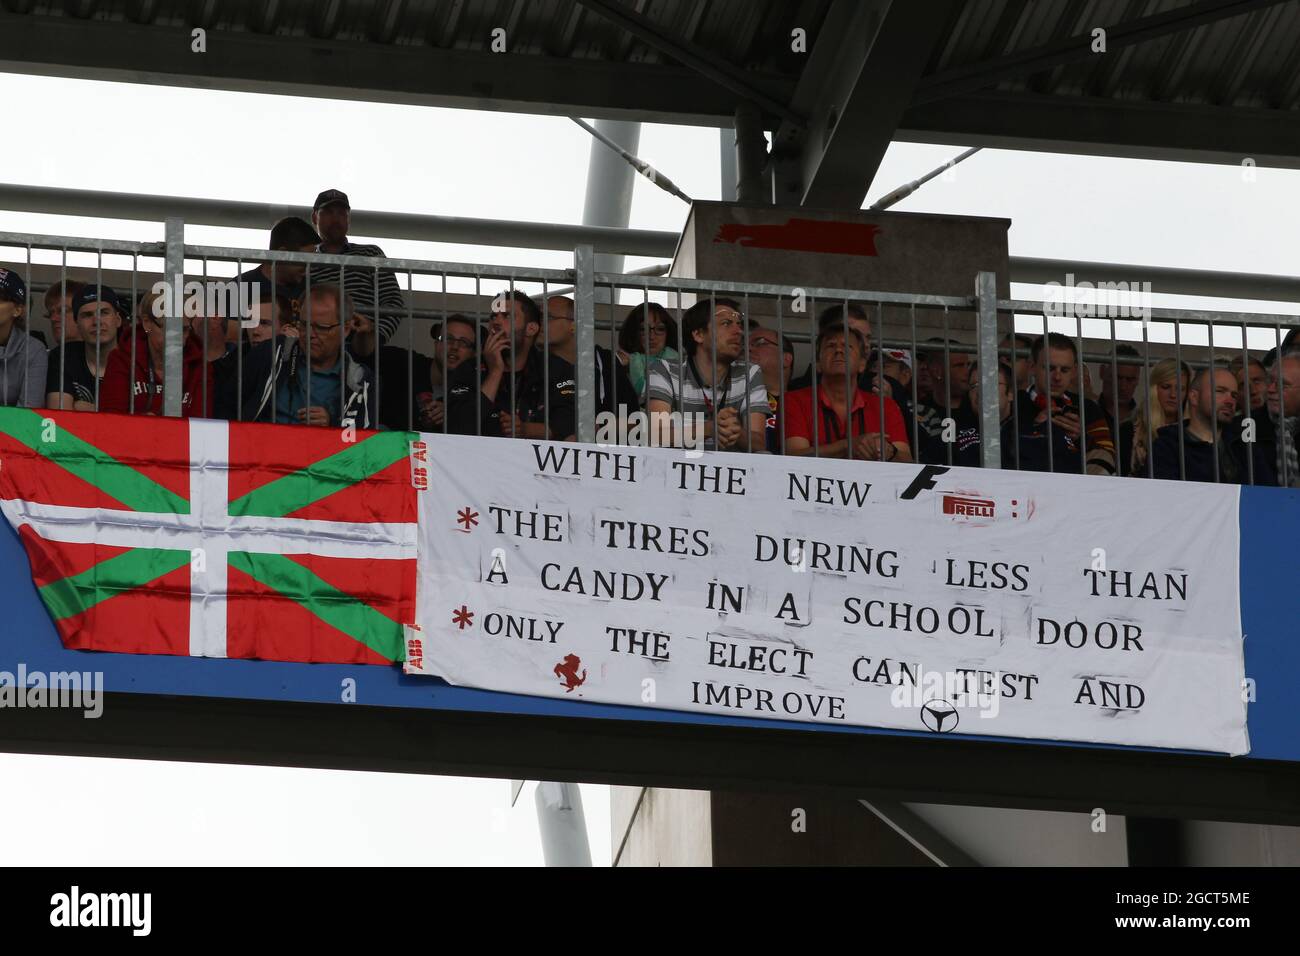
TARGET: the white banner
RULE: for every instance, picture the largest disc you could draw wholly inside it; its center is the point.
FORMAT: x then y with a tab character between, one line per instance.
903	596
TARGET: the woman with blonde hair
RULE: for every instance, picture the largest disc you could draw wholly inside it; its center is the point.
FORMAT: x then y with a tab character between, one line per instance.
1166	393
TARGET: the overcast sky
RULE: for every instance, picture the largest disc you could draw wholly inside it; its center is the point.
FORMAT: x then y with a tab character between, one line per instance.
280	149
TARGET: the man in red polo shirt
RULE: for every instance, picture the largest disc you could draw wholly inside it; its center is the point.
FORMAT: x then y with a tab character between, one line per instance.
819	426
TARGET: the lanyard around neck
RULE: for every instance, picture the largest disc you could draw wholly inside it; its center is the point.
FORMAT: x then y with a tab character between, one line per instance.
695	373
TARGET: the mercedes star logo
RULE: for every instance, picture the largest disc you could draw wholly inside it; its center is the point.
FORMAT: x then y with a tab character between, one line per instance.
939	716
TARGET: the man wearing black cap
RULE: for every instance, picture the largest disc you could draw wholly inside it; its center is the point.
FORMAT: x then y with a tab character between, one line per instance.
77	367
22	358
332	217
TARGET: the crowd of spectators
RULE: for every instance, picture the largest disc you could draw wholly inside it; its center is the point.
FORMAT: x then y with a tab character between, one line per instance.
318	351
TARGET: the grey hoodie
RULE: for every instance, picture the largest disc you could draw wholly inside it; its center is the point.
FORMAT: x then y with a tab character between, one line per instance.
22	370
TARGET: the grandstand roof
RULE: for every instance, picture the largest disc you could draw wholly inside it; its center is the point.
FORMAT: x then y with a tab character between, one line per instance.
1200	80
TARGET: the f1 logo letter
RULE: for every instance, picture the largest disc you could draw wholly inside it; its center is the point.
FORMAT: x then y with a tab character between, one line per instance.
924	480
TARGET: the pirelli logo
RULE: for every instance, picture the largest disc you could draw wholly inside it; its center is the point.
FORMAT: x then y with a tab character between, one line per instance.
968	507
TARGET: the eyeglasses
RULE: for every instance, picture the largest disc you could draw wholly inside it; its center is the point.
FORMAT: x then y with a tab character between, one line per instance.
764	343
457	341
658	330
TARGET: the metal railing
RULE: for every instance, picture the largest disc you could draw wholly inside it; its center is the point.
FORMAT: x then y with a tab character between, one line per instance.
1189	361
395	294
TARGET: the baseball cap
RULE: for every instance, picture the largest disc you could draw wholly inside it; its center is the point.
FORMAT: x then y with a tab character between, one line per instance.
97	293
897	355
12	287
329	197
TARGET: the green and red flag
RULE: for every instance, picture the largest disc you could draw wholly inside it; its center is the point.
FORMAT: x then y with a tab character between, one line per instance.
214	539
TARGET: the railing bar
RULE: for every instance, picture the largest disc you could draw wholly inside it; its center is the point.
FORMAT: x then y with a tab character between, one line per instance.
1249	412
916	400
1178	385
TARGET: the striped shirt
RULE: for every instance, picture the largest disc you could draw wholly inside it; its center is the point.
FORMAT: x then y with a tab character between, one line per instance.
360	283
684	391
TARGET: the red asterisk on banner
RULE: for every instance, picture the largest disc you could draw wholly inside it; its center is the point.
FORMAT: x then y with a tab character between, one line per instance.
463	617
468	517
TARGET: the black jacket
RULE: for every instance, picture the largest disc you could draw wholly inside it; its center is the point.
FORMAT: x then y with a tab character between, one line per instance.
1061	453
230	372
1198	458
967	448
463	393
1265	441
399	377
550	382
525	393
613	387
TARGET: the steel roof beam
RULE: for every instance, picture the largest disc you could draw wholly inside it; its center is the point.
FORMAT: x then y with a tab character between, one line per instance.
705	62
978	76
860	78
1102	127
905	821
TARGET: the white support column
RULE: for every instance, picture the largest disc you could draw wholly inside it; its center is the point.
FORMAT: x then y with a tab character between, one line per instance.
609	184
727	163
562	824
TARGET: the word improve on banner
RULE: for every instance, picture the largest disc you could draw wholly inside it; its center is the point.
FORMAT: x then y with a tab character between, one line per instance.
840	592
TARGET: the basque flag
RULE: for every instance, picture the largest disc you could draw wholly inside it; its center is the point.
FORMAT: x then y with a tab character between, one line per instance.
152	535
